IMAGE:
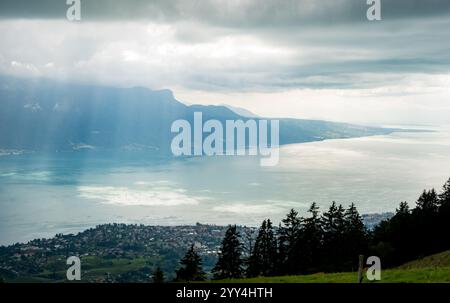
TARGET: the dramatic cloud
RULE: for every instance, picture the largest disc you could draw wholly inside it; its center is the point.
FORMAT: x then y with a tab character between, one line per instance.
319	59
252	13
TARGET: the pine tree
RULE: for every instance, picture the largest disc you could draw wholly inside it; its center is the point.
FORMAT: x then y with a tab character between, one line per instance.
287	237
313	235
444	214
158	275
263	261
249	239
254	267
400	233
425	217
411	234
330	225
356	241
191	267
340	218
445	194
229	264
403	209
333	236
428	202
309	243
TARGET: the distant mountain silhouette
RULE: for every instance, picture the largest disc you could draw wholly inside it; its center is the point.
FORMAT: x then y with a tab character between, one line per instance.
40	114
241	111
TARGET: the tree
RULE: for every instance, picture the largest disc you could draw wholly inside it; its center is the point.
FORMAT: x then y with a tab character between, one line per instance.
249	238
191	267
263	261
312	238
158	275
426	225
309	243
333	226
356	240
410	234
401	226
428	202
229	264
444	196
381	246
444	214
287	235
400	233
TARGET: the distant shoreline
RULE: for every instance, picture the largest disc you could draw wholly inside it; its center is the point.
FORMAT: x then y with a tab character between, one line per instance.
124	150
370	220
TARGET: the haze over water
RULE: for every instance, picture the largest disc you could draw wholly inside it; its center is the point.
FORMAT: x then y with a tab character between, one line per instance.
41	195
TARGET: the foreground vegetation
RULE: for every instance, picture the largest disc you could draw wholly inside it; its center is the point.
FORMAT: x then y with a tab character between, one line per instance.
431	269
331	242
109	253
323	247
416	275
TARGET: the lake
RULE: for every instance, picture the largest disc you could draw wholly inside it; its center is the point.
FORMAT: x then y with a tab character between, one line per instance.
41	195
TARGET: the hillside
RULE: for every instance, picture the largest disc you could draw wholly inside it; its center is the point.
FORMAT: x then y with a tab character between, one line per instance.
431	269
417	275
437	260
49	115
129	253
110	252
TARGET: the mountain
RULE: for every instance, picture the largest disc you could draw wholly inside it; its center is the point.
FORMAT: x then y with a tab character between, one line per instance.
241	111
40	114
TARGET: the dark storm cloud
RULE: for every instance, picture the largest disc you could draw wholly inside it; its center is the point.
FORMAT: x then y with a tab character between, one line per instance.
232	45
231	13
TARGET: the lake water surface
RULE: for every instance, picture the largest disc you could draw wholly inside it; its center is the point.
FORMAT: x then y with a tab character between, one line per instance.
41	195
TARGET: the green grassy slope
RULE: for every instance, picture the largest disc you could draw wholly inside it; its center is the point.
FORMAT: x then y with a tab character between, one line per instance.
93	268
431	269
438	260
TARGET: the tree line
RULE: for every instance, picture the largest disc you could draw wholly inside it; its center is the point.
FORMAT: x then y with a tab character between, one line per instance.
328	242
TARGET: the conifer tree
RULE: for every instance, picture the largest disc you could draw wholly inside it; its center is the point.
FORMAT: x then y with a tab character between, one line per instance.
263	261
314	233
410	234
229	264
333	236
444	196
399	232
158	275
191	267
356	242
426	225
309	243
444	214
427	203
287	236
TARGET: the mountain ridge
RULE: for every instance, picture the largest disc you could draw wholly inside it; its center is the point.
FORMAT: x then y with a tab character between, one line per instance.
42	114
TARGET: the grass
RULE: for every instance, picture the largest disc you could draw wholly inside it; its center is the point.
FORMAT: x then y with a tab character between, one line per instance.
417	275
431	269
437	260
92	269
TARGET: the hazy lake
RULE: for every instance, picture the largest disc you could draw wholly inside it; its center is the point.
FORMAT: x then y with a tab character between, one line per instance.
43	195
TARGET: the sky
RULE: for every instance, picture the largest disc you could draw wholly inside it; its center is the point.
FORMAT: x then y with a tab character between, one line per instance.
315	59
